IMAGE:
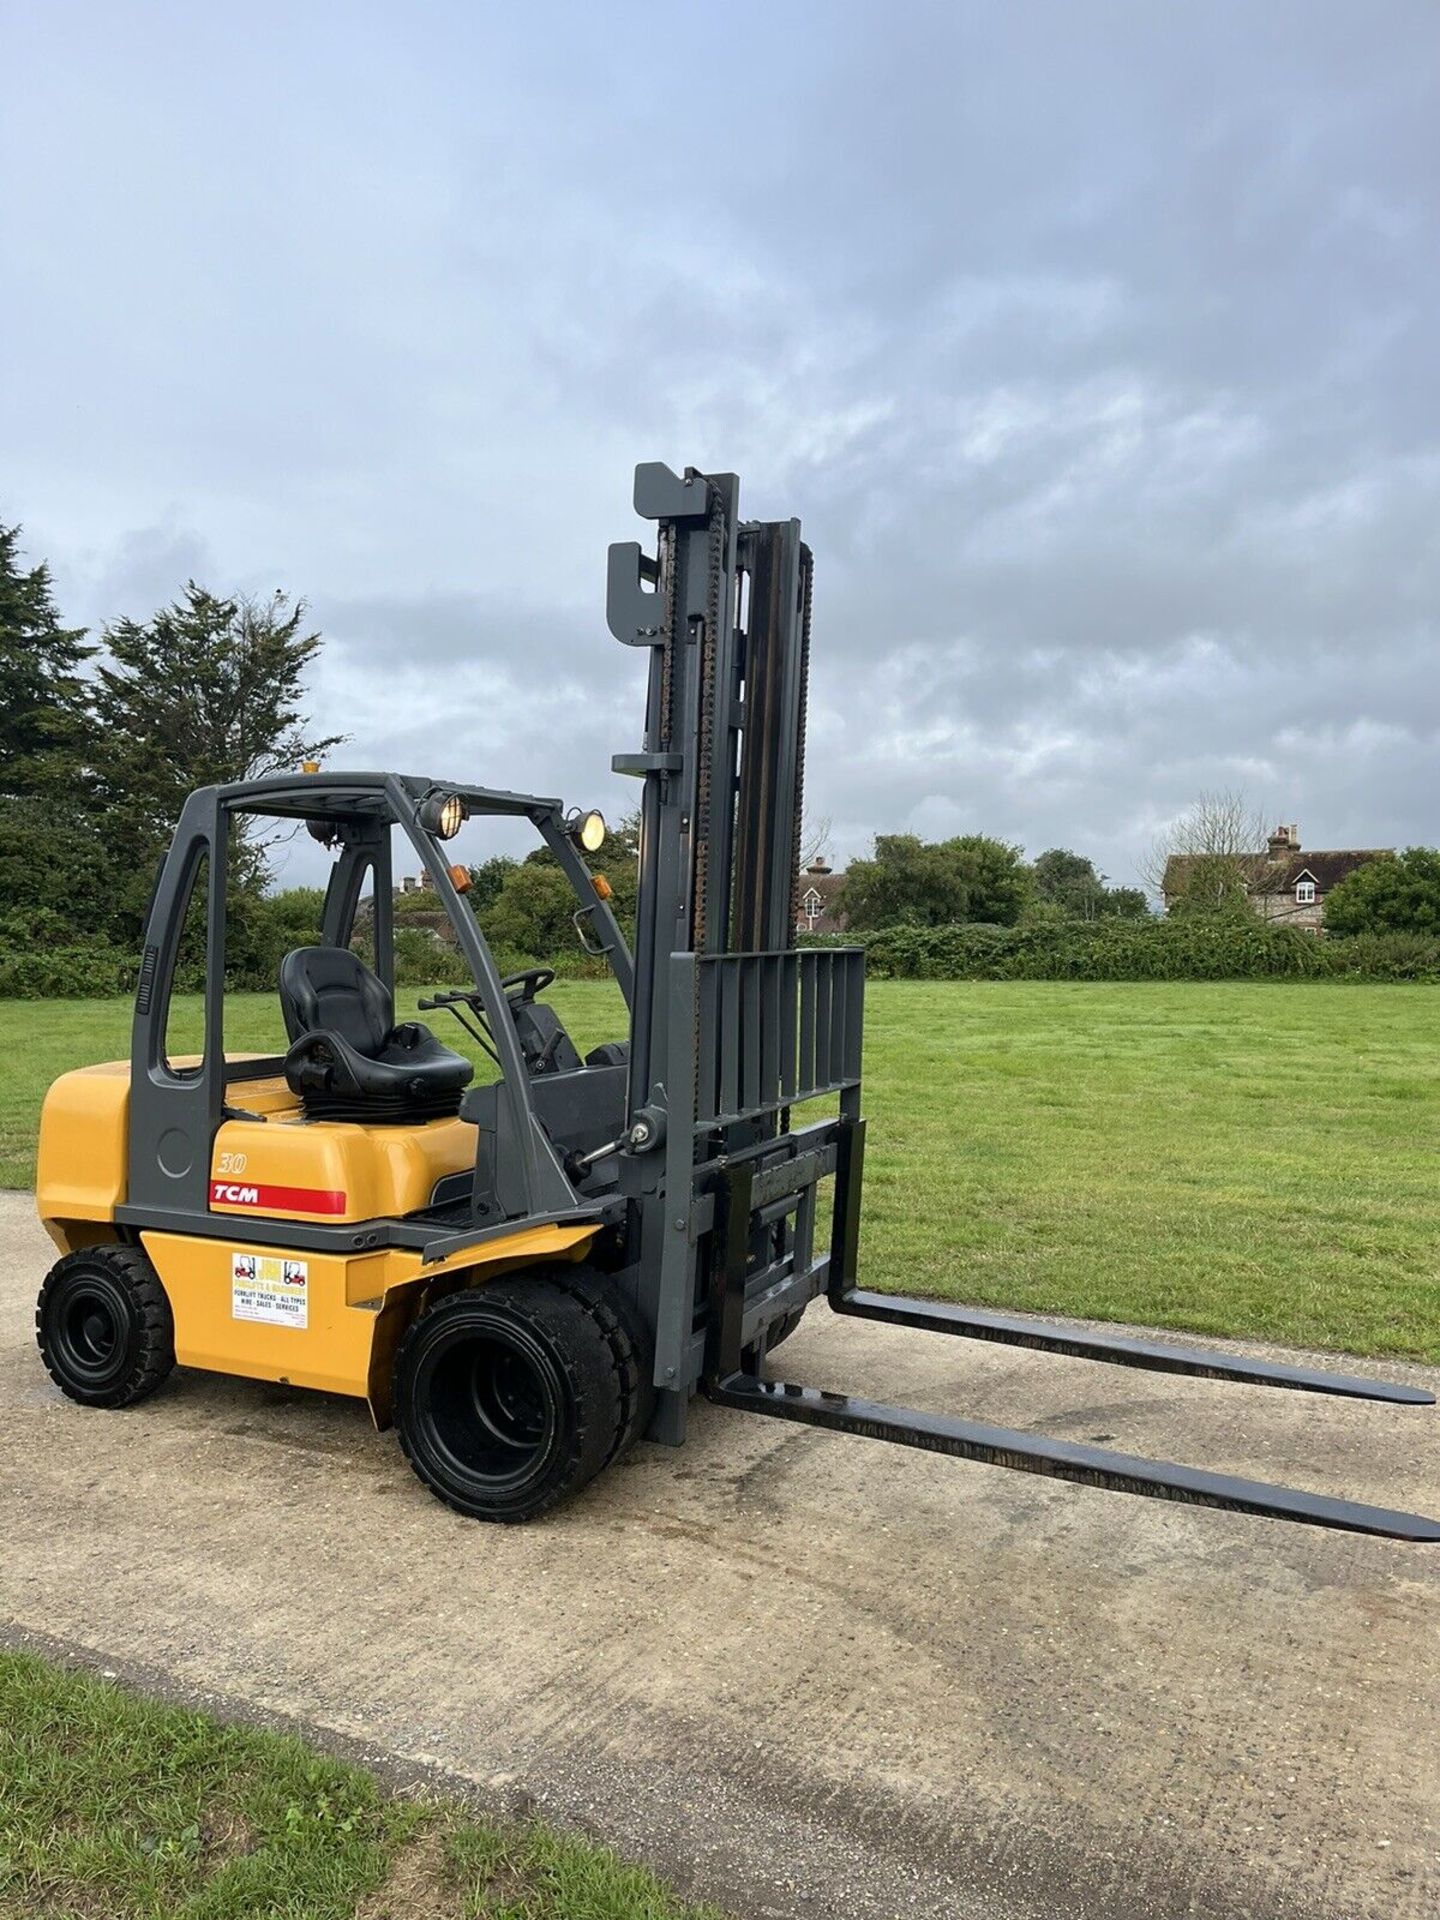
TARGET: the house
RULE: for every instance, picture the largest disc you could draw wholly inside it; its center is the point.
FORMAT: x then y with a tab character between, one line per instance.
1288	885
817	900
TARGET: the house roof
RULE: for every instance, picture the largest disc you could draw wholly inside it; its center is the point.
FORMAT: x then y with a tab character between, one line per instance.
827	885
1326	869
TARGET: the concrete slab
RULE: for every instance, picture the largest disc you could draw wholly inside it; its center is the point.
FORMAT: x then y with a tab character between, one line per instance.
799	1673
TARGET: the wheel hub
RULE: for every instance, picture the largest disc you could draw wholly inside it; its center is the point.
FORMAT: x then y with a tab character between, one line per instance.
92	1333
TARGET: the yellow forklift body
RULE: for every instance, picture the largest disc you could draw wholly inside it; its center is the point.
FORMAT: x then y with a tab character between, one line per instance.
330	1321
278	1166
289	1168
84	1137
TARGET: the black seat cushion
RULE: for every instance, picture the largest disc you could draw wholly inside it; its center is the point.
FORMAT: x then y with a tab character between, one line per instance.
348	1060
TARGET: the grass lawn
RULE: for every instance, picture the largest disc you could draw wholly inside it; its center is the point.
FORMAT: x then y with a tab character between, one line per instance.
1231	1158
117	1806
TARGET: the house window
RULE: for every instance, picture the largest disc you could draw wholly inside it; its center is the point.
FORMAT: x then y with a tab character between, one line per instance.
1304	893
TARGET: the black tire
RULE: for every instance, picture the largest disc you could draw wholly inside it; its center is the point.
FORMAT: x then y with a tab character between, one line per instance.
780	1330
776	1331
104	1327
630	1346
510	1397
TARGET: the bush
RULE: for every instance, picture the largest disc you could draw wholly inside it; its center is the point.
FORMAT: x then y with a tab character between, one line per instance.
423	959
1386	956
94	972
1192	947
261	929
1395	894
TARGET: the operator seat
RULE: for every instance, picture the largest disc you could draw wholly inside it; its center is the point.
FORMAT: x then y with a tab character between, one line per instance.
348	1060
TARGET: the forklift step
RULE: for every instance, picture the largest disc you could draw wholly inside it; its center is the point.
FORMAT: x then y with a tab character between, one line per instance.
1059	1459
1154	1356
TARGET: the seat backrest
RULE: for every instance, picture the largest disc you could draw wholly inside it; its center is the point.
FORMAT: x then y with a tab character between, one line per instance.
331	989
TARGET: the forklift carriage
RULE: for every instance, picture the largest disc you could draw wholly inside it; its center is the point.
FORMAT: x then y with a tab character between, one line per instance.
527	1275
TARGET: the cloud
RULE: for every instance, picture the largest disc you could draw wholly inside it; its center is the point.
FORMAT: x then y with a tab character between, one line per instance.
1093	346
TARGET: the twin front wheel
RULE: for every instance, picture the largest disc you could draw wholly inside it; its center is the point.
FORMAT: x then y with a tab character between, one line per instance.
508	1397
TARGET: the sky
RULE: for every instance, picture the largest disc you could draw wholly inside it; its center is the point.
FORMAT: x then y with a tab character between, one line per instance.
1093	344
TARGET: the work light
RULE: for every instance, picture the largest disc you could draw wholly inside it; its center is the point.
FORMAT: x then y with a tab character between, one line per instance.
587	830
443	814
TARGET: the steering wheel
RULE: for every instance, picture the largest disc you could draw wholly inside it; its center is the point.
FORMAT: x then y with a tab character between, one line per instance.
534	980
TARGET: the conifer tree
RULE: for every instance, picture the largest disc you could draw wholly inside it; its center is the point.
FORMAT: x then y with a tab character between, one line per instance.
45	728
205	691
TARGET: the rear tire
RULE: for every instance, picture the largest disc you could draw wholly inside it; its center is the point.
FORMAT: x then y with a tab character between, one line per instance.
510	1397
104	1326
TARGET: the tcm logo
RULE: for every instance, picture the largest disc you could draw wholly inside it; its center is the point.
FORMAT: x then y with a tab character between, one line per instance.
233	1195
238	1193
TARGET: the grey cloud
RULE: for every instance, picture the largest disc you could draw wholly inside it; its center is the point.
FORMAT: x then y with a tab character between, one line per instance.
1093	344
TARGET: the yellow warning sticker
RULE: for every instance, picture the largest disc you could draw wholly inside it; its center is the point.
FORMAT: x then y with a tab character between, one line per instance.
271	1288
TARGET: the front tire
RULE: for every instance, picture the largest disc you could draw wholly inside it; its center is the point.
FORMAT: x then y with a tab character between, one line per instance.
509	1397
780	1330
104	1327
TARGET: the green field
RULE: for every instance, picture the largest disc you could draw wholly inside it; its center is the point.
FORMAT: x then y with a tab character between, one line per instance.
1231	1158
116	1806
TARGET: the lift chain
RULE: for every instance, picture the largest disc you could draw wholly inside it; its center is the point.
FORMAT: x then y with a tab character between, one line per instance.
807	577
709	707
665	561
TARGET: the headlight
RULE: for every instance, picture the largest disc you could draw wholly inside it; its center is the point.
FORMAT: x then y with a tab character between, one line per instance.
443	814
587	830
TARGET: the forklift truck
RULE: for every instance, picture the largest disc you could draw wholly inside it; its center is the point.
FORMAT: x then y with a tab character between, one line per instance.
527	1275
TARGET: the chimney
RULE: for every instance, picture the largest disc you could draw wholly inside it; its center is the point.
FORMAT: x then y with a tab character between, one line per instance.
1284	840
818	866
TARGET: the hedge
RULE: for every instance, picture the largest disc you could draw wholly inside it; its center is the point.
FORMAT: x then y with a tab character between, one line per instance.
94	972
41	971
1196	947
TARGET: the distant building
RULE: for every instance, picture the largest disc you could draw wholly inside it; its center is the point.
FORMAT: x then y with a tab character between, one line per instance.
1288	885
817	908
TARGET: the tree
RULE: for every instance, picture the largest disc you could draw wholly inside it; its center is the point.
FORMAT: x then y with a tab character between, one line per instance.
207	690
1220	825
1067	887
1068	883
487	883
817	832
1126	903
532	913
45	727
1396	894
1215	883
912	882
53	866
533	908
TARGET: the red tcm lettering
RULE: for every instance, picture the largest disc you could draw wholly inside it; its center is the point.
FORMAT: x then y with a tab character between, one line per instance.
235	1193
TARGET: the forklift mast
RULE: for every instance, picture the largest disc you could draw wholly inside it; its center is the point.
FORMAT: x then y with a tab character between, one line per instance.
724	608
731	1026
